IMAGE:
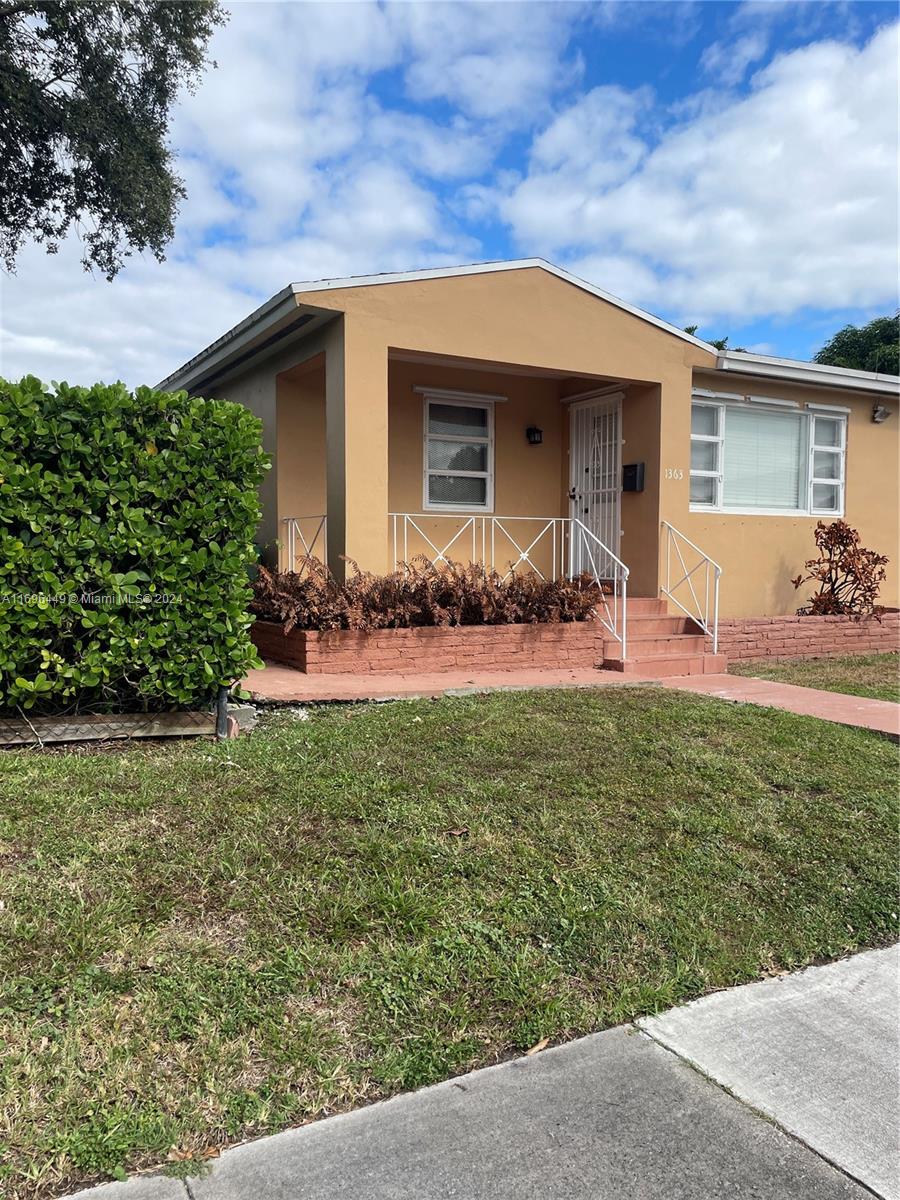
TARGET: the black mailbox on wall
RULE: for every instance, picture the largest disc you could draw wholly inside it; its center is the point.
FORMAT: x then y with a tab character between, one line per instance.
633	477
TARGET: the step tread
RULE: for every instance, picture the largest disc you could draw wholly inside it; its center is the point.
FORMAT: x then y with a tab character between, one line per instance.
662	636
667	664
647	616
663	658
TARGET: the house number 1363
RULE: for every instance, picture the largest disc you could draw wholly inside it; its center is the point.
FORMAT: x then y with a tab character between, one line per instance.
674	473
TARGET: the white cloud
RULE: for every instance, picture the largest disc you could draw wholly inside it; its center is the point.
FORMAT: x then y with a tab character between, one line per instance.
727	62
494	61
455	151
781	199
60	323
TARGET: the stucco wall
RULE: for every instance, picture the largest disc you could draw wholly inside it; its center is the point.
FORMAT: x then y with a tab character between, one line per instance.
640	510
761	554
525	317
301	441
270	388
373	425
256	390
528	479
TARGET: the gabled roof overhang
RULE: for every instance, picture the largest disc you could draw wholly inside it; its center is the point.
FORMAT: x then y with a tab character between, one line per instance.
254	333
284	317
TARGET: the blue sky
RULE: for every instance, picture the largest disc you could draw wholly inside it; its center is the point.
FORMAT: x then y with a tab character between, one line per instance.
727	164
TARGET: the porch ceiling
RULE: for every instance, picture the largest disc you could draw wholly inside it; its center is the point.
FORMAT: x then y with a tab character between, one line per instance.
500	368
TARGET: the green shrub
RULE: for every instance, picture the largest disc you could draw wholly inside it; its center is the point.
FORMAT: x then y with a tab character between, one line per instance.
126	534
418	594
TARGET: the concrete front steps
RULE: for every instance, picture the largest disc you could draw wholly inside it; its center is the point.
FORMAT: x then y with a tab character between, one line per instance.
660	645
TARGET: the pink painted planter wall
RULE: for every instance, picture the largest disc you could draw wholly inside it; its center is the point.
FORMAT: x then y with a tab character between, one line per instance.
390	651
750	638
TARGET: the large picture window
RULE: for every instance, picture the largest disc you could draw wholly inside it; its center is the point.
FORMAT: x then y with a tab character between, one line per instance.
459	454
759	458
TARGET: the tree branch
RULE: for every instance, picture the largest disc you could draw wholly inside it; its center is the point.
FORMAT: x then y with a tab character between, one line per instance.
14	7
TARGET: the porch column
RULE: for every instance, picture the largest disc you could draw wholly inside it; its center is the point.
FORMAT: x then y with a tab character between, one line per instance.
675	458
356	434
641	433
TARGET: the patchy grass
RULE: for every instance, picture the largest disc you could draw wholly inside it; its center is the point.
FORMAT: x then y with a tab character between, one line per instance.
204	942
875	675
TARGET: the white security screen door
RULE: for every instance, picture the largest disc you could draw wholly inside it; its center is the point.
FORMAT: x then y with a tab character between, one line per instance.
595	479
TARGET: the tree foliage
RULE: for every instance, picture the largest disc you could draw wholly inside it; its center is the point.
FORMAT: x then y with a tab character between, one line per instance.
85	94
871	347
719	343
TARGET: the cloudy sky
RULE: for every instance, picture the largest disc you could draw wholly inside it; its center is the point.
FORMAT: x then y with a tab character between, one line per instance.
727	164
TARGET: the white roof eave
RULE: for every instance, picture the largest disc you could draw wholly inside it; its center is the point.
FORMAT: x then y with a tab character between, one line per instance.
794	371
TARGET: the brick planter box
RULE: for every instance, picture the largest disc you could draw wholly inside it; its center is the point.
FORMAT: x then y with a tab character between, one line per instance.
442	648
808	637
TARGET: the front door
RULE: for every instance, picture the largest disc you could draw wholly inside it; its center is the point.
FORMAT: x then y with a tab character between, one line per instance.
595	480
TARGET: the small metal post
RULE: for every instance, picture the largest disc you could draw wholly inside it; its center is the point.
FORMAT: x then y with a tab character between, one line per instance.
222	713
716	612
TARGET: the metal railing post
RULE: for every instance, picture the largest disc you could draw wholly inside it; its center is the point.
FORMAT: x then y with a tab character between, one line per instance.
716	611
708	621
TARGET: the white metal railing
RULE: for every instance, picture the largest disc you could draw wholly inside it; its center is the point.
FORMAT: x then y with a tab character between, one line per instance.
304	538
702	581
549	546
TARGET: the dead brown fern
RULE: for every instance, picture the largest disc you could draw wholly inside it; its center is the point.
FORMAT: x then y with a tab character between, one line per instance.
418	594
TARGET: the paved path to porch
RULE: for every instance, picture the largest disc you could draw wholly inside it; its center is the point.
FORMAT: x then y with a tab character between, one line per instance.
287	685
883	716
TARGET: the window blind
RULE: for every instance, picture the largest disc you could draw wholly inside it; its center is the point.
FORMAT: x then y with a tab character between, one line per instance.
765	457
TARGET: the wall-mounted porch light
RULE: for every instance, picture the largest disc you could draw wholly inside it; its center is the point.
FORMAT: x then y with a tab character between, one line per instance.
880	414
535	436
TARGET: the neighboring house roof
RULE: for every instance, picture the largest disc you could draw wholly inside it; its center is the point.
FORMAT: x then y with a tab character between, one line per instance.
794	371
279	317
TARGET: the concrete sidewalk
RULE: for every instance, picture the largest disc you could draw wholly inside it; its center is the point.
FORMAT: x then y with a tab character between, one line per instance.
816	1051
622	1116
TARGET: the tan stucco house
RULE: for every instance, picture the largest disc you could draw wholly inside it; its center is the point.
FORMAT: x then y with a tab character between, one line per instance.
512	414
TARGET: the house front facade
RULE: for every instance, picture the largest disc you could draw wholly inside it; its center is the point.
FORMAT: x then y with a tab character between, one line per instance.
513	415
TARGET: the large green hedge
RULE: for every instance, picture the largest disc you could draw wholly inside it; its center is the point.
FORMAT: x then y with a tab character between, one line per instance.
126	533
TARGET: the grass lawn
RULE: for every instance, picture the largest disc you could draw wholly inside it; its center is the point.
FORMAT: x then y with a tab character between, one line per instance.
875	675
201	943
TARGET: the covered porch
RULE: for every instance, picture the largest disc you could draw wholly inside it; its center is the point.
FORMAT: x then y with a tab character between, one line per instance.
513	468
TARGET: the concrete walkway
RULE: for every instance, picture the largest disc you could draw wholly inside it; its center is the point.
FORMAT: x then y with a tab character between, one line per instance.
882	716
284	684
287	685
623	1115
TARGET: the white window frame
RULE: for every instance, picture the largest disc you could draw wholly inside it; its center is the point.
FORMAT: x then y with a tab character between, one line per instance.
460	400
839	451
810	413
718	439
